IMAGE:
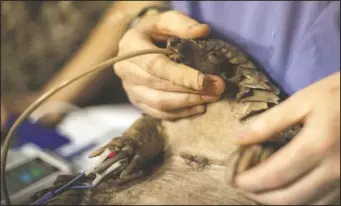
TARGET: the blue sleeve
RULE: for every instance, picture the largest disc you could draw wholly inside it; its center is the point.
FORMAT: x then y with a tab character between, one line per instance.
318	54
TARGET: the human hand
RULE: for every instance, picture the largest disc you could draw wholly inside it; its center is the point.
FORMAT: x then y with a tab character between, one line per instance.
307	169
154	83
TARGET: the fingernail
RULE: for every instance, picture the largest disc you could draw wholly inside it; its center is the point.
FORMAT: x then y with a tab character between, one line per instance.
212	86
217	88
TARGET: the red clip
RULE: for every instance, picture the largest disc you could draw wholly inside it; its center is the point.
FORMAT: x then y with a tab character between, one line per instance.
112	154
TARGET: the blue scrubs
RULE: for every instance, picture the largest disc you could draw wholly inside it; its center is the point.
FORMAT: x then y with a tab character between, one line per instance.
297	42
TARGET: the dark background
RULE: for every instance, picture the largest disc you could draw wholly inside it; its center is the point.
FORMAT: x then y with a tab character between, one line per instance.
39	37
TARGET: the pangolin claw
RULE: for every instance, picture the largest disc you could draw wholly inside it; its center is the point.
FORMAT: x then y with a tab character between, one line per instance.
246	157
261	96
140	143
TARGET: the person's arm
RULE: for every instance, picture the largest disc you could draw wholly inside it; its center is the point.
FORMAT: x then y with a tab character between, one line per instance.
3	114
101	44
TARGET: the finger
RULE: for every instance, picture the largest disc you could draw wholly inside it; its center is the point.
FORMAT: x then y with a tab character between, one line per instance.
213	85
332	198
166	101
315	185
332	166
159	37
302	153
178	74
171	115
272	121
176	23
160	65
133	74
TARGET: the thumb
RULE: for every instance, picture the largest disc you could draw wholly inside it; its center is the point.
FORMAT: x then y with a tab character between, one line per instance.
176	23
271	122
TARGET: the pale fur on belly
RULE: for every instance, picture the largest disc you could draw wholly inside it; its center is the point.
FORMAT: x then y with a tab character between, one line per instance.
207	135
176	182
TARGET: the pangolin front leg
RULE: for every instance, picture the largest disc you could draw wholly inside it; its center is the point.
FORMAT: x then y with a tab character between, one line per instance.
248	156
140	143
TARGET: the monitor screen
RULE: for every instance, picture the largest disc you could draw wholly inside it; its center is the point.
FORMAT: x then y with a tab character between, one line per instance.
24	175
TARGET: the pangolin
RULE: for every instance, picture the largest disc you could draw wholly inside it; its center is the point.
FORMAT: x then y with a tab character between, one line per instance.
194	154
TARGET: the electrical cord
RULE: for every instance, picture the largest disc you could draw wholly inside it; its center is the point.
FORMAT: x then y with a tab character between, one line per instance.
51	92
99	177
50	195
